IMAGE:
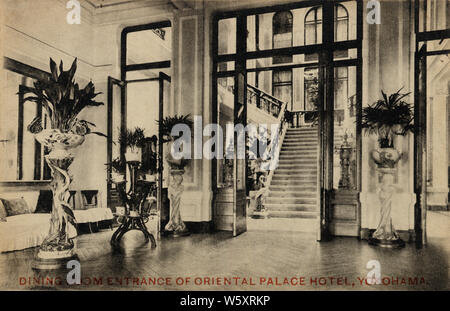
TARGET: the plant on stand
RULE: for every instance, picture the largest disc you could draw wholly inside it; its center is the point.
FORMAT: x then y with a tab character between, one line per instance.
387	117
175	226
133	141
62	100
118	168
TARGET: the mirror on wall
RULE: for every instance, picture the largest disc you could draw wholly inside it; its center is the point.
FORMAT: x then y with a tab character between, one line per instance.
22	157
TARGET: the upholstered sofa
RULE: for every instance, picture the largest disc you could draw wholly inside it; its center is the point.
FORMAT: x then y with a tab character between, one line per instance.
25	228
28	225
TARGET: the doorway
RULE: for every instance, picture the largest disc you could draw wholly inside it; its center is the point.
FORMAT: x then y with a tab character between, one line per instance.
431	105
302	74
139	100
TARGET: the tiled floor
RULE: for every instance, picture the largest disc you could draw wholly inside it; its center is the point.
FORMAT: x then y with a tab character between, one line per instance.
256	260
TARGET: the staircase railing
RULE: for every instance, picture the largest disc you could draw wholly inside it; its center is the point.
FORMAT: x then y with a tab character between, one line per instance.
294	117
264	101
276	144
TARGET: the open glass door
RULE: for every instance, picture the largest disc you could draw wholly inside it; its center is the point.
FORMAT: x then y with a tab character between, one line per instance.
116	95
420	145
146	94
240	157
139	102
230	91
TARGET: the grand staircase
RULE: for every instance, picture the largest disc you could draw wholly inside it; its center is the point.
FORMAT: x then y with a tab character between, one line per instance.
293	189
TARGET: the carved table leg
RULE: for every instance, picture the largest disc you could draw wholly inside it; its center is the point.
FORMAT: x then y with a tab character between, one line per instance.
132	223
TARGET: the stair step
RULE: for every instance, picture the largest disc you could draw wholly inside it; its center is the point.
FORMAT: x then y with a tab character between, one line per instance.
301	134
294	142
292	194
300	148
294	201
293	178
304	134
308	184
290	173
299	152
293	214
290	207
302	129
297	155
295	131
302	159
296	171
301	164
292	188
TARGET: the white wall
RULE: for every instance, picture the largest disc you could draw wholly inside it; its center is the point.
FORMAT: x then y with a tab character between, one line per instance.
37	30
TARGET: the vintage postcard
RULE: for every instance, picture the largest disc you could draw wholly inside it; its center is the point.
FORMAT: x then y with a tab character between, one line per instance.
223	145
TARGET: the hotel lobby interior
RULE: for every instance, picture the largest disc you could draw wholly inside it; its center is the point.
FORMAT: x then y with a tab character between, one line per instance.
345	179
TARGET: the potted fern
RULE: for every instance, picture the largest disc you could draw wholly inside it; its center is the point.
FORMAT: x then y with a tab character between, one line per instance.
62	99
118	169
175	226
134	141
388	117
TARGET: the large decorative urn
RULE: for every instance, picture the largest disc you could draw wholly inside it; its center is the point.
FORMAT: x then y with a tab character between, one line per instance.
385	235
386	157
58	247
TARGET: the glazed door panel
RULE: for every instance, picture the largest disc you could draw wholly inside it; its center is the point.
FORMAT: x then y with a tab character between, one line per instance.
116	94
240	159
420	145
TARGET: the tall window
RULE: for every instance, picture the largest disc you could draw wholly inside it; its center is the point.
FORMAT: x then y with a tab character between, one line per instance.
282	85
341	97
313	24
282	34
282	38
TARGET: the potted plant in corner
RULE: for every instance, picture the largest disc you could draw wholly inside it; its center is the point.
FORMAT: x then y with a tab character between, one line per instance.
175	226
62	100
387	117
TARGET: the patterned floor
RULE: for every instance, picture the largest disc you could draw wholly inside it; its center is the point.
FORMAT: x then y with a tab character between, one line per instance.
256	260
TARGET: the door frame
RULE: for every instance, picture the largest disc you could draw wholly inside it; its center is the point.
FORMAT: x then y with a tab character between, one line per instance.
420	114
326	66
161	79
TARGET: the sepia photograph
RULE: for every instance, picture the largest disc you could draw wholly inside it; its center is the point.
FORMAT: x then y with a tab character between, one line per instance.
255	146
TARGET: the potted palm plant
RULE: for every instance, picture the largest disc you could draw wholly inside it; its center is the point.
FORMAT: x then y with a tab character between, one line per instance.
134	141
388	117
62	99
175	226
118	169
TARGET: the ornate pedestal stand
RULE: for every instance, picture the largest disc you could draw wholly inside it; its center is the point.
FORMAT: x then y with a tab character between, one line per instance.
385	234
135	217
176	226
58	248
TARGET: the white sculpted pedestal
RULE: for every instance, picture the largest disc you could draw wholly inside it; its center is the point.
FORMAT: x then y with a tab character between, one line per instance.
385	234
58	247
176	225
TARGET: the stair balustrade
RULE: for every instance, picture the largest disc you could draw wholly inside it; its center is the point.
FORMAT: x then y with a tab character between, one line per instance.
293	118
264	101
